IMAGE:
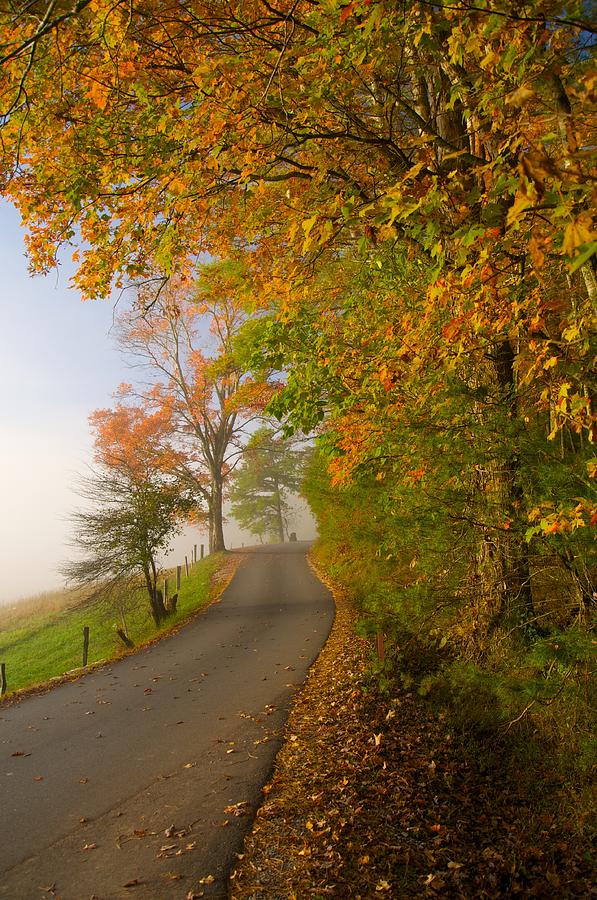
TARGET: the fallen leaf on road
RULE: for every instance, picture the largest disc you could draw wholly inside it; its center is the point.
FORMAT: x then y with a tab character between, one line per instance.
132	883
209	879
238	809
89	847
38	777
83	780
189	765
50	889
20	753
173	876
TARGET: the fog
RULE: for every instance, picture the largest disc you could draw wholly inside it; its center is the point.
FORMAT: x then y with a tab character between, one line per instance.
58	363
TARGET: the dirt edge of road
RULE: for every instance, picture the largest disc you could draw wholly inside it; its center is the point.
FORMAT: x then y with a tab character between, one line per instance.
276	858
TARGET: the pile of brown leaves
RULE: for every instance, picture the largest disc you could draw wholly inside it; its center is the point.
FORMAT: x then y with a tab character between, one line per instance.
372	796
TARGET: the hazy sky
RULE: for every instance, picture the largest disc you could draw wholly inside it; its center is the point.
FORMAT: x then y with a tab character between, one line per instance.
58	362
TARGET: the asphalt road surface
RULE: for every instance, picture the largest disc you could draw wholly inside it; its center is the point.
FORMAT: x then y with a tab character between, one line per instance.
140	779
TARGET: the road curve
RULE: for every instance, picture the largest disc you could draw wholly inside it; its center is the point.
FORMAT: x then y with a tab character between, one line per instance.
140	779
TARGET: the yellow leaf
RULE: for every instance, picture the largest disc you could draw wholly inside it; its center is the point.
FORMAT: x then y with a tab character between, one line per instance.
521	203
520	96
577	233
308	225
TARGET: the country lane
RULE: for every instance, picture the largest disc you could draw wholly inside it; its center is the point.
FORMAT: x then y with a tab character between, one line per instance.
140	779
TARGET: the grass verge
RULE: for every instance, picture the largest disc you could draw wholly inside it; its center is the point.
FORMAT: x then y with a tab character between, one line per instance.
45	644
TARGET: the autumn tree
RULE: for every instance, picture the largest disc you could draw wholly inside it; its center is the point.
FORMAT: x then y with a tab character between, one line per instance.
271	470
134	506
453	140
185	341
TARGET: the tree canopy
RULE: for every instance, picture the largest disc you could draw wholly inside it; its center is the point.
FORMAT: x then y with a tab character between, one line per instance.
134	506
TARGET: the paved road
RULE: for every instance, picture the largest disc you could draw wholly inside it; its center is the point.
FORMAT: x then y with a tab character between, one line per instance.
140	780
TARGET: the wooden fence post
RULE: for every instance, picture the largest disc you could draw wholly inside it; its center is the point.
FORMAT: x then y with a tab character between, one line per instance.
2	678
165	590
85	644
381	648
195	553
186	565
202	551
178	568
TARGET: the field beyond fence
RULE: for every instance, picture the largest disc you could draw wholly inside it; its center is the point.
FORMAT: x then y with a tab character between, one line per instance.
43	637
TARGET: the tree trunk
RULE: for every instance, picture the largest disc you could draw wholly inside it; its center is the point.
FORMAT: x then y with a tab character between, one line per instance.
513	547
501	575
216	531
279	517
156	600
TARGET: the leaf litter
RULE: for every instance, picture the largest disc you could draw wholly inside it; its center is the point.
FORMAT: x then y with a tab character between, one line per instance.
373	796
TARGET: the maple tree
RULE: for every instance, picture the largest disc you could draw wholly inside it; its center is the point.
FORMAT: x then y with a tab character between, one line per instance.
270	470
134	505
185	339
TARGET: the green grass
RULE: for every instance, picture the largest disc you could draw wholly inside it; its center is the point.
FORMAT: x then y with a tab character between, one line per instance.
43	638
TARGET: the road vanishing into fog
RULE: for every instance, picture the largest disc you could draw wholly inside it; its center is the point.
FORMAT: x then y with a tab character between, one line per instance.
140	779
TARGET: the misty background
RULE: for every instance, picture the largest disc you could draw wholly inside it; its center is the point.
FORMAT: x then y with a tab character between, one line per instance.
58	362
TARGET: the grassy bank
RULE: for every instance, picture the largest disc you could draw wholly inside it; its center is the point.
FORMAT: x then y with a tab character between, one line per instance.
43	638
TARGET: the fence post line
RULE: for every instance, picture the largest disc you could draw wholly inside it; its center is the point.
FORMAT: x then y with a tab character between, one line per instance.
202	551
195	553
178	568
2	678
85	644
165	590
186	565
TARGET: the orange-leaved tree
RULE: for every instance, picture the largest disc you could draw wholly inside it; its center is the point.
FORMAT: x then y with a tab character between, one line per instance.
186	341
135	504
